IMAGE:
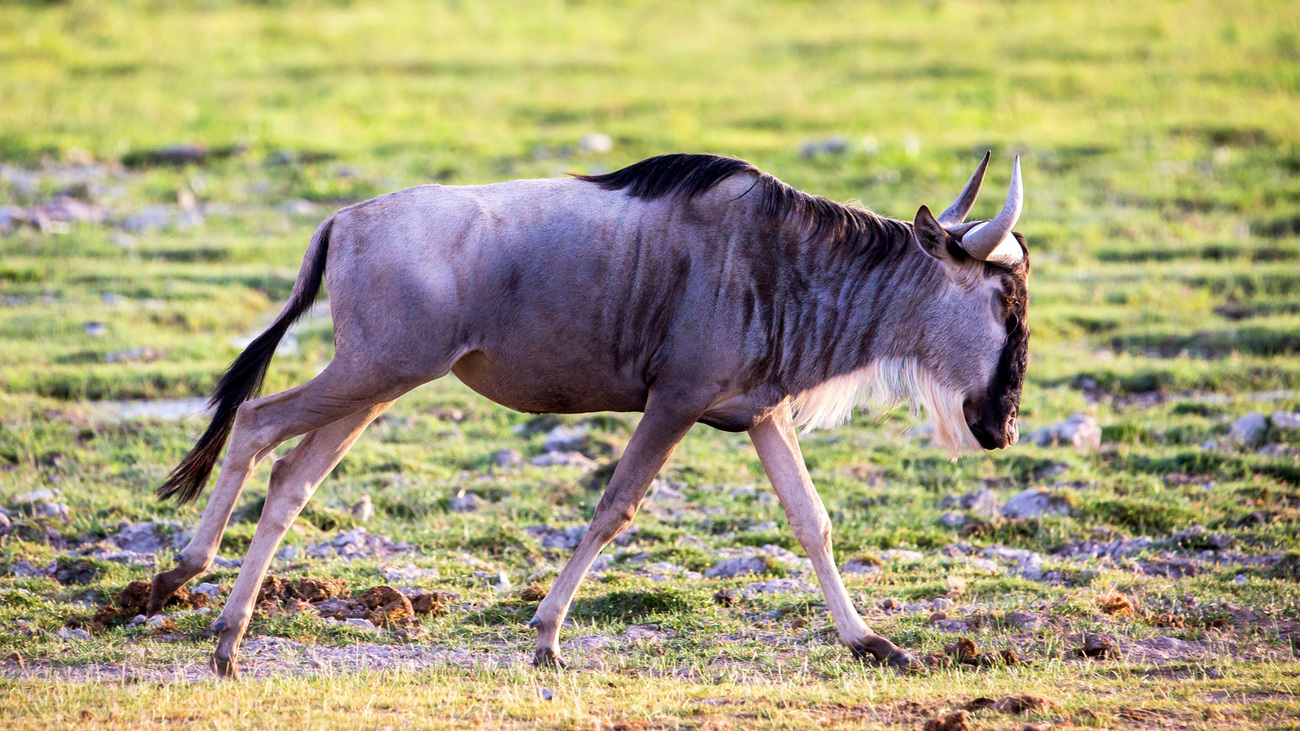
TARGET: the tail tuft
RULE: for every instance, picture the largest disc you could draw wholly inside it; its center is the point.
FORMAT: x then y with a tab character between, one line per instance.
243	379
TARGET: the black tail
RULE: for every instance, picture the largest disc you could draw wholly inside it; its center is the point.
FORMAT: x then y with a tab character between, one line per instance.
243	379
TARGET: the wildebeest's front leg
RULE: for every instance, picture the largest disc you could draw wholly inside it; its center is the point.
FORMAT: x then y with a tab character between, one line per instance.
663	426
293	480
778	449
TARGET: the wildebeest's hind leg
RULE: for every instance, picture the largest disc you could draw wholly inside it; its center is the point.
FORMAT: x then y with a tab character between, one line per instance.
778	449
260	426
663	426
293	480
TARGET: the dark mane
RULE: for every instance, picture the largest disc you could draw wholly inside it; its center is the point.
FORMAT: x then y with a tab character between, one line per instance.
821	220
680	174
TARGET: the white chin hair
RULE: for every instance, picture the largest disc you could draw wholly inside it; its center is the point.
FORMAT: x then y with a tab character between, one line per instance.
880	386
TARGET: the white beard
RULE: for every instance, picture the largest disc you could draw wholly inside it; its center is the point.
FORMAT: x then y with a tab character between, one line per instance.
881	386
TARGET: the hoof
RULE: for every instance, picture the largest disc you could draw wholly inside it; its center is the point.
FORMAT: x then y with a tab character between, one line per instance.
225	668
881	652
545	657
534	623
159	593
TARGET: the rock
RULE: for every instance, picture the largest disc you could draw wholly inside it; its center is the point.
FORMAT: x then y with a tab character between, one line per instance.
983	503
661	491
28	570
833	145
1035	502
132	355
952	519
738	566
564	439
596	142
557	538
74	634
212	590
860	566
287	553
147	537
1025	620
507	458
646	632
724	597
1250	430
1285	420
4	521
779	586
151	217
941	604
466	503
1099	646
361	624
569	459
984	564
744	491
357	543
409	572
1080	431
902	555
58	511
35	496
364	509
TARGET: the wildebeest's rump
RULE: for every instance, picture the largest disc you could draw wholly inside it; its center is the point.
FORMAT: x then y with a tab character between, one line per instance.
693	288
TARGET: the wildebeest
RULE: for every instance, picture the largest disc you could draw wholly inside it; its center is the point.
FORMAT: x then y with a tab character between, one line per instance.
692	288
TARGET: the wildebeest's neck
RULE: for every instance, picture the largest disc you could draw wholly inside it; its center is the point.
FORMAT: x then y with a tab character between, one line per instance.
849	291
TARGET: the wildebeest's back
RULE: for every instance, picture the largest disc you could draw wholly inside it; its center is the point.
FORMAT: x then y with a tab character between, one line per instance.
597	295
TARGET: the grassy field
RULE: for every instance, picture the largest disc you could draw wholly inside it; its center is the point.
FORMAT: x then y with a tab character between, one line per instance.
1161	145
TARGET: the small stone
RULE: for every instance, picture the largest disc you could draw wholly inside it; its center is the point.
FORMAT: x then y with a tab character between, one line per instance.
4	521
983	503
953	519
361	624
212	590
507	458
738	566
564	439
1080	431
54	510
1285	420
287	553
941	604
466	503
724	597
1239	579
74	634
35	496
563	459
860	566
1214	674
1250	430
1035	502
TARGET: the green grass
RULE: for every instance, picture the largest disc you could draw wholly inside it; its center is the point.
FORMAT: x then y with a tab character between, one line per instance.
1161	146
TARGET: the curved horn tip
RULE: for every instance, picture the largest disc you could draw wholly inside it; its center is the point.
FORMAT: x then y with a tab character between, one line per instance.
981	241
960	208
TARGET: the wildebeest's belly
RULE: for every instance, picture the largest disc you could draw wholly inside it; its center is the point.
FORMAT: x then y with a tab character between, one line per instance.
536	384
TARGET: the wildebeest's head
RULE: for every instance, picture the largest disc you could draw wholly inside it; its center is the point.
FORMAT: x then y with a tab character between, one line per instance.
976	337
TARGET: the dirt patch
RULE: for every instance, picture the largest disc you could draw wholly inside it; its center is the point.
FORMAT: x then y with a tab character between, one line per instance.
133	600
1115	604
955	721
1016	705
965	652
388	607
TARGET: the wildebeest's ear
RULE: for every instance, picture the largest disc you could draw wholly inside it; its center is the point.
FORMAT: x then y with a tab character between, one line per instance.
934	239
